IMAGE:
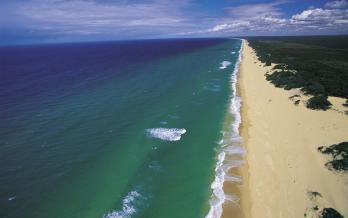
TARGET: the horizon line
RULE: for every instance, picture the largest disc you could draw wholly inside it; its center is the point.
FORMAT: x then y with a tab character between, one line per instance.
169	38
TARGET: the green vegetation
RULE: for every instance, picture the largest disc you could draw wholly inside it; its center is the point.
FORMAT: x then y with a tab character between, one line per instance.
330	213
313	211
313	194
346	103
318	102
339	152
318	65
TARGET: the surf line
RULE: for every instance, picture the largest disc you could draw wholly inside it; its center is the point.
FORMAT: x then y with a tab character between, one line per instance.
218	196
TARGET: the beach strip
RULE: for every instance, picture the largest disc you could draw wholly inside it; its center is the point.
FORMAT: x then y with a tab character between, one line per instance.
284	175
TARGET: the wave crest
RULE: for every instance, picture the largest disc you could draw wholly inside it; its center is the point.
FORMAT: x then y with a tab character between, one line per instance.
231	148
166	134
225	64
127	207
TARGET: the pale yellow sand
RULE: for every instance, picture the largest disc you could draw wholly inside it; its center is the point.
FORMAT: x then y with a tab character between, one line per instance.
281	139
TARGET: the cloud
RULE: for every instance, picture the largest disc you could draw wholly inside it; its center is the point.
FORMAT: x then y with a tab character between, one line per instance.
256	10
126	19
90	17
322	17
235	26
337	4
267	18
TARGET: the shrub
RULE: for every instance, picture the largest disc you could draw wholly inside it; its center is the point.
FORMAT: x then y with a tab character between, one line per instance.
330	213
339	152
318	102
316	64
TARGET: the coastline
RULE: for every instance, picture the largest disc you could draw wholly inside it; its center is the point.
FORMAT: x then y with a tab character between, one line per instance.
230	156
283	166
241	189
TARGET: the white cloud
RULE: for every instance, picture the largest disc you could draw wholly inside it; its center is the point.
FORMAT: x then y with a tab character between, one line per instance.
334	15
337	4
265	17
109	17
256	10
165	18
234	26
321	16
268	18
341	21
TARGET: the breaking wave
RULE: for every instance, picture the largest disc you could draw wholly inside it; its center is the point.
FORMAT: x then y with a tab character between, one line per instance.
225	64
128	208
229	146
166	134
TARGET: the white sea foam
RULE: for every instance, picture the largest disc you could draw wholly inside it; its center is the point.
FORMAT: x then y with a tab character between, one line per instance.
233	178
12	198
219	197
234	150
128	208
233	198
233	52
232	164
166	134
225	64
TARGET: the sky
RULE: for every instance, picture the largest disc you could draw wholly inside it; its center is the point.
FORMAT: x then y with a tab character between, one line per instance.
45	21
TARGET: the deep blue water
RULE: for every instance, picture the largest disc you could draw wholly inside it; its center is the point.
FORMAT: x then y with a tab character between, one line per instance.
73	122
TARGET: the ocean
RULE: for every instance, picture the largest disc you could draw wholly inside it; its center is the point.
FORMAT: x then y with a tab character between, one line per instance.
117	129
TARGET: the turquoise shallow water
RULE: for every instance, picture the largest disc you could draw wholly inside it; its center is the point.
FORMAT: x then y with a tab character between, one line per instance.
113	132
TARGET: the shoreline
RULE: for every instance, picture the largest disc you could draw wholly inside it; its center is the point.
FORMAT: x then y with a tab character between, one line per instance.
230	153
283	166
242	209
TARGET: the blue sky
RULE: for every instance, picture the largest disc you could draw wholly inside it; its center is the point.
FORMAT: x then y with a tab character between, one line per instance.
41	21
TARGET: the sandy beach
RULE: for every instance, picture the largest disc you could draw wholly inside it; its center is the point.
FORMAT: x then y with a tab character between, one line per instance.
285	175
